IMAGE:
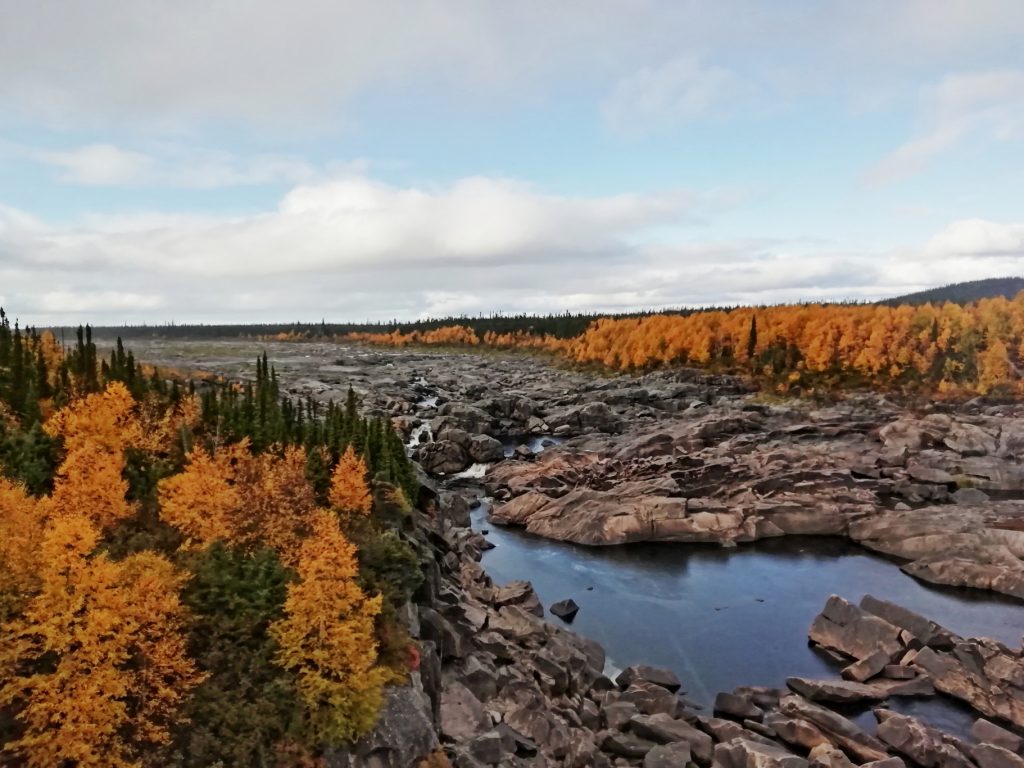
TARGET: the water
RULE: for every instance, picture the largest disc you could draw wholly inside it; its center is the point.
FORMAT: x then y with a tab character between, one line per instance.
721	618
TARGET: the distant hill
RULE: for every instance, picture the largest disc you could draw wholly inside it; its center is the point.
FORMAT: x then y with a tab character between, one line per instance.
963	293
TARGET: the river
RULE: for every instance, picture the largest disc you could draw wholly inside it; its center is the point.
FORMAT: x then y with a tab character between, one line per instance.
721	618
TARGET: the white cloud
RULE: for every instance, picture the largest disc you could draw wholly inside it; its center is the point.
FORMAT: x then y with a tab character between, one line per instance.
105	165
71	302
988	105
678	91
978	237
175	65
354	248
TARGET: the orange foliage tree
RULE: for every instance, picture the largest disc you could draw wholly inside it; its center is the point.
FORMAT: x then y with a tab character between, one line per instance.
246	500
96	666
326	637
350	492
21	533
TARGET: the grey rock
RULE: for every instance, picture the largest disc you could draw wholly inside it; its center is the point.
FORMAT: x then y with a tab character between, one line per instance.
987	732
462	714
566	610
665	678
674	755
743	753
626	745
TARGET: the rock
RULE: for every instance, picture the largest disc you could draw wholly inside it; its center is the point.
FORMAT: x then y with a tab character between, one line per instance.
480	678
485	449
436	628
626	745
737	706
590	417
983	566
404	732
911	434
743	753
921	743
462	714
932	475
827	756
519	593
666	678
969	440
840	731
664	729
969	496
671	755
981	672
844	627
848	692
443	457
992	756
566	610
899	672
650	698
727	730
986	732
924	630
799	733
513	623
889	762
489	748
867	667
519	510
618	713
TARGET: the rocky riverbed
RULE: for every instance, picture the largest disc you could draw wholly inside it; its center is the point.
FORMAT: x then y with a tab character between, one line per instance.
682	457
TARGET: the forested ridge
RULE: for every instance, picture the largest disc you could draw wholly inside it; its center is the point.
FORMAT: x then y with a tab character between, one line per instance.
191	576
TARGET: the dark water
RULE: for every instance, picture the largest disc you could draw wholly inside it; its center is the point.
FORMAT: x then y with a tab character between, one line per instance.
721	618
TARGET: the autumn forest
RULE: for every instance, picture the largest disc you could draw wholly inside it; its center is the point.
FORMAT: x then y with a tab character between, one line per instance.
944	348
190	575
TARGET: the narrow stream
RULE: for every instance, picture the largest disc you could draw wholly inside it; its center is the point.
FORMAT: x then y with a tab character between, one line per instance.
721	618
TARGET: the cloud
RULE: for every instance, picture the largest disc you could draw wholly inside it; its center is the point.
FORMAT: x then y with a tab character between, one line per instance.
978	238
988	105
354	248
106	63
678	91
105	165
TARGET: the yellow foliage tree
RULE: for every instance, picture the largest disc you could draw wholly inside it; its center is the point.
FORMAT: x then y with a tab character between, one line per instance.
248	501
203	501
96	666
349	490
21	533
326	637
96	430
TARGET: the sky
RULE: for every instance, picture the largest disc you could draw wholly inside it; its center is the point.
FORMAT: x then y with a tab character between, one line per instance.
257	161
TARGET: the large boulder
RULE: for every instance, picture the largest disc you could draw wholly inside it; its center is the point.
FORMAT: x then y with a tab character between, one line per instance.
970	440
924	745
443	457
403	736
462	714
484	449
666	678
744	753
844	627
589	417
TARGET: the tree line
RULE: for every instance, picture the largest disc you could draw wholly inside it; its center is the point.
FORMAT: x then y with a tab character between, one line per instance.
974	348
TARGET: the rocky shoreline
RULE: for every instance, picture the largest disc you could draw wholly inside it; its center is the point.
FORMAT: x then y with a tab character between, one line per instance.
499	685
